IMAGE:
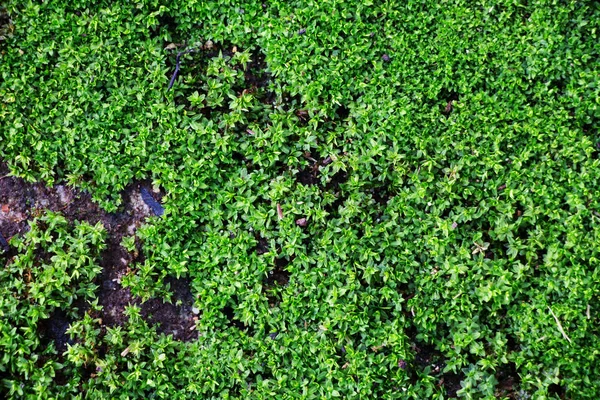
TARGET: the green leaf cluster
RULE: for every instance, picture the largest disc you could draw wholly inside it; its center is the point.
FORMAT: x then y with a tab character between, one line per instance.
54	271
368	198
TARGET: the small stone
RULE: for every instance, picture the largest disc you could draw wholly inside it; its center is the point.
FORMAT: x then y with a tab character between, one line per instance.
195	310
385	58
454	225
63	194
131	229
302	222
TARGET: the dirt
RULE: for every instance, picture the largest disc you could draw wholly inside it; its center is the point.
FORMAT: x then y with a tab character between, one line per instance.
177	318
279	275
21	201
5	24
262	246
308	177
277	279
508	379
427	356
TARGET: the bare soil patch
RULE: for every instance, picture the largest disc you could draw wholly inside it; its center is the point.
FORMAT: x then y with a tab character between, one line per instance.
21	201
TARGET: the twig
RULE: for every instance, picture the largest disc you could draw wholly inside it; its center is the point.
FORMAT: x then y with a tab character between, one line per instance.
174	73
177	66
560	328
587	312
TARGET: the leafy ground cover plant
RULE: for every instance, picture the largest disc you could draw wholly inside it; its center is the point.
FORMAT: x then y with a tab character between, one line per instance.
43	288
368	199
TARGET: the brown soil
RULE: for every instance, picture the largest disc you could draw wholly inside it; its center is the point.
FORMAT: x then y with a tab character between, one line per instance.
20	202
177	318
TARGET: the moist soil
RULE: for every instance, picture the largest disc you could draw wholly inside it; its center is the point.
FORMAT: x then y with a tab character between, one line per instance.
21	202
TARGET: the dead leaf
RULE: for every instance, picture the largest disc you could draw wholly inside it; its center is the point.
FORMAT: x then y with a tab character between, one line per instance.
302	222
377	348
448	107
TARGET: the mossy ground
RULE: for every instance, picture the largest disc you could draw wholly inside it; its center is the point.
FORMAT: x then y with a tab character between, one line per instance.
361	199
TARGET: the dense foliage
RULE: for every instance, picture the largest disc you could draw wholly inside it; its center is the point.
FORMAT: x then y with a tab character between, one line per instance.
51	276
370	198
